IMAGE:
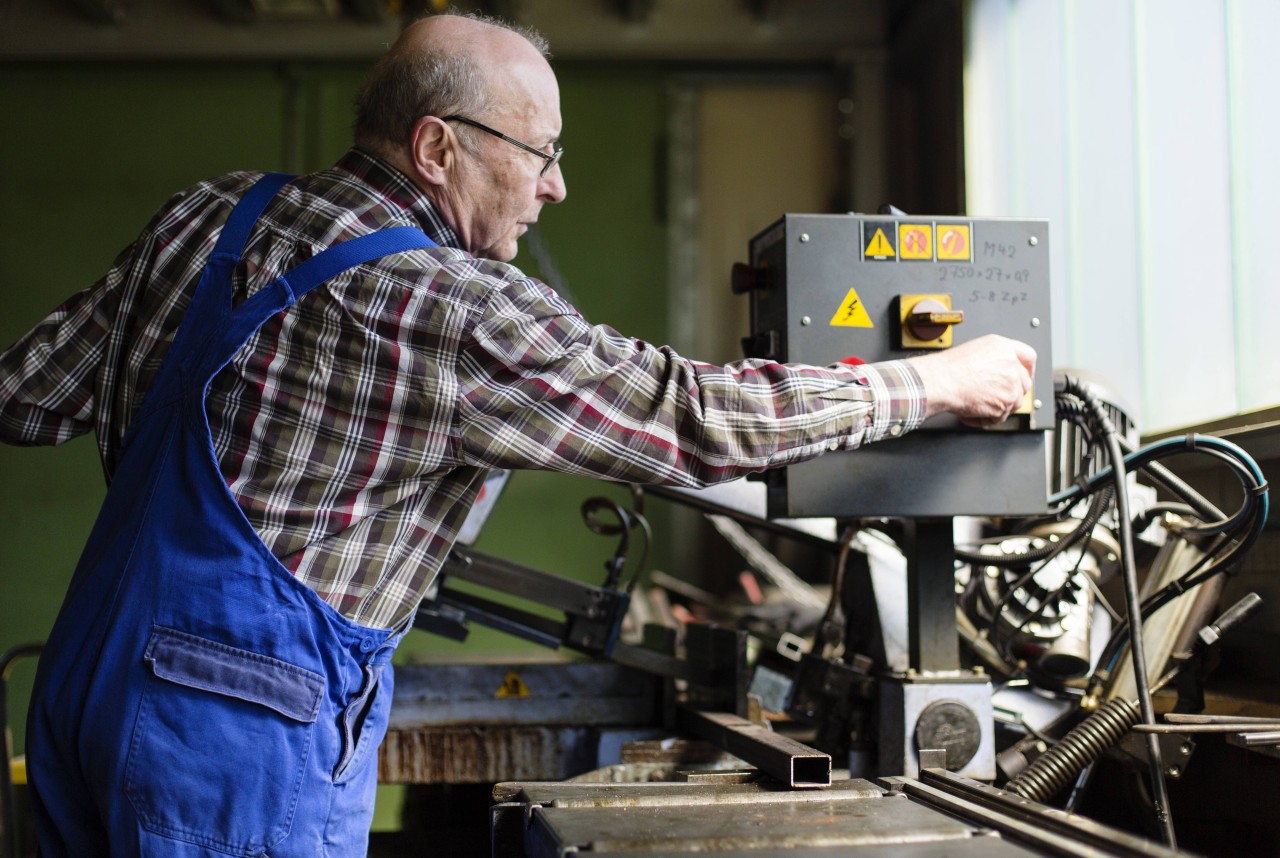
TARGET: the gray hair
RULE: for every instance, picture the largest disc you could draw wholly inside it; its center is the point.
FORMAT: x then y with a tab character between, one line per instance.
406	85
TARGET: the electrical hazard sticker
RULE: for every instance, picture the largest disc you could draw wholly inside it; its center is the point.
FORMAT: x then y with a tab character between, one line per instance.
915	241
512	686
852	313
953	242
879	240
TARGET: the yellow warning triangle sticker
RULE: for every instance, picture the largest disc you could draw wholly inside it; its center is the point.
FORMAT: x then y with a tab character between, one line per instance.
512	686
852	314
879	246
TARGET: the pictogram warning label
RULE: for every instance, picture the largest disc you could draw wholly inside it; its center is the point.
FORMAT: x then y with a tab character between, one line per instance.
852	313
915	241
512	686
953	241
878	240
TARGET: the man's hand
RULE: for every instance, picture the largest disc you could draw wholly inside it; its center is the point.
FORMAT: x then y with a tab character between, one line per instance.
981	381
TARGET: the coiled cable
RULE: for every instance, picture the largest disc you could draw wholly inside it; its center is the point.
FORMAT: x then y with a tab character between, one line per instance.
1084	744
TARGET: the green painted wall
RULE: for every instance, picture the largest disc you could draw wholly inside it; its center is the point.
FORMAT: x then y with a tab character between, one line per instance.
90	150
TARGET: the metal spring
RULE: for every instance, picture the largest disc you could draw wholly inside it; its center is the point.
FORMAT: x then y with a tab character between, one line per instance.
1087	741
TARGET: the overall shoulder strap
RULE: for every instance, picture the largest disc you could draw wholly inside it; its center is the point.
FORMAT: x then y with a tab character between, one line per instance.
333	261
211	300
210	307
235	232
301	279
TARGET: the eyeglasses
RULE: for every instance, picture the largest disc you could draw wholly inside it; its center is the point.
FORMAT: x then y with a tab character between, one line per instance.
552	159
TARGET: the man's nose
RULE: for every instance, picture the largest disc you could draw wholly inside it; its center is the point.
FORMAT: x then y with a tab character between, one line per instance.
551	187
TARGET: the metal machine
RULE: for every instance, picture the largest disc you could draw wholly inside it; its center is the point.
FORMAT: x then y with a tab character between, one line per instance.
825	288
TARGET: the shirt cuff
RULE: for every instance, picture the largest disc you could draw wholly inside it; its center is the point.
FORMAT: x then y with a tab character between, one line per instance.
899	399
899	396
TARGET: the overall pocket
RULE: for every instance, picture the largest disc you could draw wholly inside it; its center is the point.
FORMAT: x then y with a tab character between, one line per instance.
363	722
220	743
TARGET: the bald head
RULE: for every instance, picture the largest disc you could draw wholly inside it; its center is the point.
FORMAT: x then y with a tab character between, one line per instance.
444	65
478	34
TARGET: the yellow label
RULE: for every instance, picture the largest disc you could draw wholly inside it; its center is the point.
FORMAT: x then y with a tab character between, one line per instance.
953	241
851	313
915	240
512	686
879	245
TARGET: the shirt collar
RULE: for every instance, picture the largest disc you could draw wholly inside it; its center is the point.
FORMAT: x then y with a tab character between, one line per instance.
397	188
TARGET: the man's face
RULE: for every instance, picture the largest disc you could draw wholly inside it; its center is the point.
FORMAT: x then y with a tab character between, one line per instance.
500	188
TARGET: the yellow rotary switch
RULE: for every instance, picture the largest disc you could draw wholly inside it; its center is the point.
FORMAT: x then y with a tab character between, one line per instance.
927	321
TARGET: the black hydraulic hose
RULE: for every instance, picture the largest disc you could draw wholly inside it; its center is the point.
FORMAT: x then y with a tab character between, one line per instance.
1100	501
1163	477
1194	577
1235	536
1155	510
1097	506
1247	507
1129	574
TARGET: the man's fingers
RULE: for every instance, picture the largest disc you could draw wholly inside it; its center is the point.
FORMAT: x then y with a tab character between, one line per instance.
981	381
1026	355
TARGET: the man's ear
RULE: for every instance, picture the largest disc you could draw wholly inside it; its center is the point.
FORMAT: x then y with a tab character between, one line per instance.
433	148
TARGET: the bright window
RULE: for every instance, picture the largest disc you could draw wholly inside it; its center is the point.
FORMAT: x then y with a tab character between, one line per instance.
1147	132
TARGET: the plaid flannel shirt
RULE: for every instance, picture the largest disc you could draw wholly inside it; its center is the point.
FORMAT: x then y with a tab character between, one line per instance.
353	429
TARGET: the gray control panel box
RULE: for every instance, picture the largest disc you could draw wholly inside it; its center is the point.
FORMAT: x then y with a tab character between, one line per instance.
828	287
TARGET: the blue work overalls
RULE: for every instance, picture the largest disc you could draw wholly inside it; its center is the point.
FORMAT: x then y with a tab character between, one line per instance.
194	697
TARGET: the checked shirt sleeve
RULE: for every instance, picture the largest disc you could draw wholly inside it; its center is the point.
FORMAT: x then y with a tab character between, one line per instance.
47	377
543	389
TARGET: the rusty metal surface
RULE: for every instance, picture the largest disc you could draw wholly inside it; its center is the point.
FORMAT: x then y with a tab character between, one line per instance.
514	754
674	751
459	755
631	773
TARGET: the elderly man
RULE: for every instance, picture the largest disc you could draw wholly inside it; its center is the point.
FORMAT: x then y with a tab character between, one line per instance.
296	386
